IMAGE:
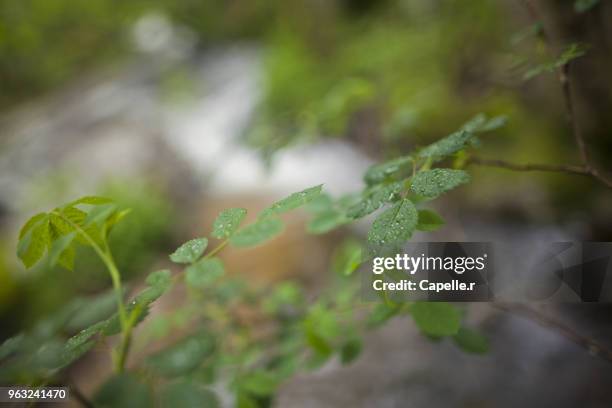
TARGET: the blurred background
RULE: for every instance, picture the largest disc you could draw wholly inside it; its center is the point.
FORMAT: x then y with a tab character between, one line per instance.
180	108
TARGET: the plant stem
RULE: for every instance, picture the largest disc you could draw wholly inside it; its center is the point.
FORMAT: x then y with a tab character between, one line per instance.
107	258
216	249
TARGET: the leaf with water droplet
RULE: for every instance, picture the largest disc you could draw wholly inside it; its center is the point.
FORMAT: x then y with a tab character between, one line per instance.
292	202
374	197
448	145
190	251
228	222
394	226
382	171
432	183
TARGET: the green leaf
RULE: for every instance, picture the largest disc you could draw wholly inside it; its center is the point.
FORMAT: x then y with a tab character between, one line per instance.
98	308
570	53
184	356
257	233
350	350
348	258
204	272
259	383
436	318
394	226
325	221
429	221
29	224
471	341
159	282
91	200
448	145
432	183
228	222
582	6
34	242
11	345
185	394
159	279
375	197
292	202
383	171
62	251
381	313
99	215
480	123
84	335
317	342
123	391
190	251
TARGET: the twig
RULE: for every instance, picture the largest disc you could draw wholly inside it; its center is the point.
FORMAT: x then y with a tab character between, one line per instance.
569	169
587	168
592	346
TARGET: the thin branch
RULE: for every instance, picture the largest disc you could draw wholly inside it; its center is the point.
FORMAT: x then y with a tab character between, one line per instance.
568	169
591	345
580	170
566	86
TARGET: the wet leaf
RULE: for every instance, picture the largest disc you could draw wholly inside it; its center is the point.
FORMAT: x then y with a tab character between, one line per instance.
228	222
432	183
292	202
394	226
190	251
